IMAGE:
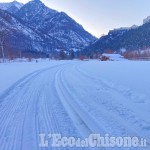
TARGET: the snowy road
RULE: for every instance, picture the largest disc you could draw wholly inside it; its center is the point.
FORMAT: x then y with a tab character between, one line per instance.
67	99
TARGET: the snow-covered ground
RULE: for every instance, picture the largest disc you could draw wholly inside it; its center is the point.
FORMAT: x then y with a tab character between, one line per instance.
14	71
134	75
74	98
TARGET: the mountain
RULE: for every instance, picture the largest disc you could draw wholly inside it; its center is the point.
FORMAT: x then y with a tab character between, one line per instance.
146	20
20	37
55	24
133	38
12	7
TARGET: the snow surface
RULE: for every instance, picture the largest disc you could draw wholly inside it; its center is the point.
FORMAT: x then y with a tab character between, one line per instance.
12	72
74	98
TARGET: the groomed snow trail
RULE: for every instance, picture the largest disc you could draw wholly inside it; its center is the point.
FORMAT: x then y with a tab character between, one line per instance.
65	99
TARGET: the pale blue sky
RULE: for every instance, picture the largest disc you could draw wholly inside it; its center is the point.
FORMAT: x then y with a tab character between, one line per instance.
100	16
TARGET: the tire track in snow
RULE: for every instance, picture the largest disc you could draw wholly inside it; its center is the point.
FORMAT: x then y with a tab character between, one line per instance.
82	101
83	123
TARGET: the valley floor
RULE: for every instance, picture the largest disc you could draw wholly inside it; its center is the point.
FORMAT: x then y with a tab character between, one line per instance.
74	98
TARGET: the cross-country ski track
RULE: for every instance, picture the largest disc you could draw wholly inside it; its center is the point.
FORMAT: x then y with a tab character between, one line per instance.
68	100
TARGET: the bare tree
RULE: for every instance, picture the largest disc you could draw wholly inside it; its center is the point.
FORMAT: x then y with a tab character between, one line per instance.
62	55
3	32
2	40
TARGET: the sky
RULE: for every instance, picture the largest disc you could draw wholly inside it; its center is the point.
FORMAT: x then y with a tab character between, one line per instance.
100	16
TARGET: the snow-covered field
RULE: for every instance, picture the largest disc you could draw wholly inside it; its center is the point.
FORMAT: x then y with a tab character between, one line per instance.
74	98
12	72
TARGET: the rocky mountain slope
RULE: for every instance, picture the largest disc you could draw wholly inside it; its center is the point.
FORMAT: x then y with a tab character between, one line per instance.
21	37
134	38
56	24
12	7
39	28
